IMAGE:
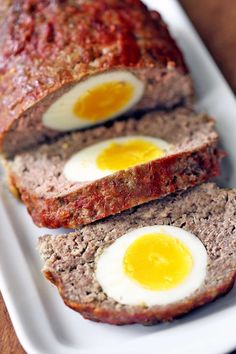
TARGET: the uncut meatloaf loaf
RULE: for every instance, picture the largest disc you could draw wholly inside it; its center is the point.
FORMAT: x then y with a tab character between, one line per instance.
206	211
53	201
48	46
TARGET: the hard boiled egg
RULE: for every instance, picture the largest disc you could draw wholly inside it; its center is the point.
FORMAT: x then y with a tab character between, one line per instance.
104	158
153	265
94	100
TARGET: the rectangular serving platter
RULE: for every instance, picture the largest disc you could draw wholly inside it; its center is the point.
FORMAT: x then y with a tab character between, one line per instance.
44	325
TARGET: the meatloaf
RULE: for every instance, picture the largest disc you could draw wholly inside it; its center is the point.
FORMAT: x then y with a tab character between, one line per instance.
206	211
47	47
53	201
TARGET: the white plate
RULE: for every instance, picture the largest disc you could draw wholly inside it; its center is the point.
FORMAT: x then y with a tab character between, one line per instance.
44	325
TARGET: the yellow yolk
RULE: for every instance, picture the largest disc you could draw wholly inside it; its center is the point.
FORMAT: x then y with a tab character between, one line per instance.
103	100
157	261
119	156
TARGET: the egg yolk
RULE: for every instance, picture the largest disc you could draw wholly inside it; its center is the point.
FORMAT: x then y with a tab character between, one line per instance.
157	261
103	100
119	156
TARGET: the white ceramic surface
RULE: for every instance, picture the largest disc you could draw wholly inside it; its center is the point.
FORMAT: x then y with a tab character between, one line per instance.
44	325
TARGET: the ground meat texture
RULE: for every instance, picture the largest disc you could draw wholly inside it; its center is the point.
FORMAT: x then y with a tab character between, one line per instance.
206	211
4	6
47	46
53	201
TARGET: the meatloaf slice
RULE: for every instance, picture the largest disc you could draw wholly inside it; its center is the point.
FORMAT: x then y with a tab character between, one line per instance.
206	211
47	47
53	201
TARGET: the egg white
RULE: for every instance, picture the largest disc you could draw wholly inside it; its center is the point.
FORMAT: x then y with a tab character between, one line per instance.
118	286
60	115
82	166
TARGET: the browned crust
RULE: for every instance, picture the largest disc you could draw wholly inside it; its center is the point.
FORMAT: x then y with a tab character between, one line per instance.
113	194
145	316
47	45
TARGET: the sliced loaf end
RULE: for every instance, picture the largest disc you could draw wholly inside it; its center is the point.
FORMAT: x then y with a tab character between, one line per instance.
53	201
